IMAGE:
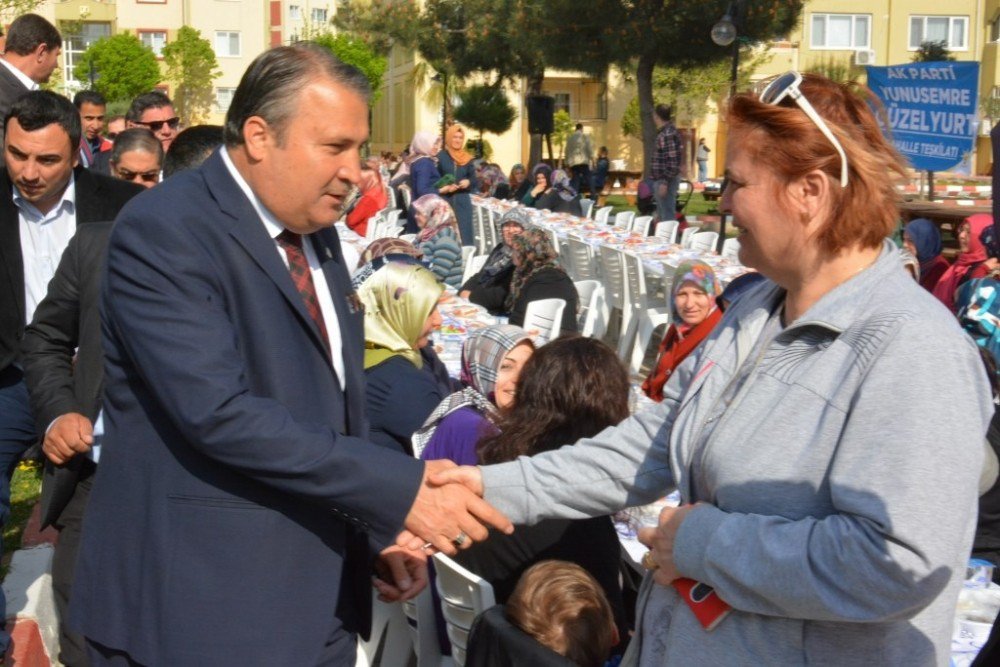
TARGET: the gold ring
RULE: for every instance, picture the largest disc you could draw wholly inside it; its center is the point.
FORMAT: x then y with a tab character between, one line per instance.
460	540
648	562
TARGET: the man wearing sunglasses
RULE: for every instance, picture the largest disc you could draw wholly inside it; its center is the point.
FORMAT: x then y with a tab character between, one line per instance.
137	157
155	112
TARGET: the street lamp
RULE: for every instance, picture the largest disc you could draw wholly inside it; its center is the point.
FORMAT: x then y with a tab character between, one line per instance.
726	32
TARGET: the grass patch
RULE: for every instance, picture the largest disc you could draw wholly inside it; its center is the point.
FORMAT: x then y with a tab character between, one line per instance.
25	489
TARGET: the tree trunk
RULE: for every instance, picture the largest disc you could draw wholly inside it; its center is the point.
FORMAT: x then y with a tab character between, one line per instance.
535	140
644	83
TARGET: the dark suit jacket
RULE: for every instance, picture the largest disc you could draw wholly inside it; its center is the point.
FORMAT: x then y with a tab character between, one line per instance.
67	319
98	198
235	482
11	89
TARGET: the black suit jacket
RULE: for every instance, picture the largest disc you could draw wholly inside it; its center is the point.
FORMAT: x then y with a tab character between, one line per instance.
60	378
11	89
228	519
98	198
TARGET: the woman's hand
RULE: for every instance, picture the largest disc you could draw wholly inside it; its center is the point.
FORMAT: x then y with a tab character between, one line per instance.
537	190
660	541
463	184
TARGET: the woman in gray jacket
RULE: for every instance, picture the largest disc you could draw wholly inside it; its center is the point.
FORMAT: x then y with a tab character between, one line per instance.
827	437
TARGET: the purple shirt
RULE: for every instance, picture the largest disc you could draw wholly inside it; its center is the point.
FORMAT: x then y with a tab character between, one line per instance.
456	437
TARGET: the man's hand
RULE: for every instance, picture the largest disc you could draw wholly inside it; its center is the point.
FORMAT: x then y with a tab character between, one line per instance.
469	476
400	574
448	516
660	541
70	434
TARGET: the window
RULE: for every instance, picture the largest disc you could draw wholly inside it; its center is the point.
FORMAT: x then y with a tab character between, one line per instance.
319	16
154	39
227	44
952	30
77	36
841	31
223	98
561	102
294	13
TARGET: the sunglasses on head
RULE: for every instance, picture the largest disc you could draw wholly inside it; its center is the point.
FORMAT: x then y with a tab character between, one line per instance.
157	125
785	87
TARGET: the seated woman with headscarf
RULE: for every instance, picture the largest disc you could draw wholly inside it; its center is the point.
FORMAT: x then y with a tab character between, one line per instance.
922	238
438	238
971	260
571	388
489	287
493	183
537	185
561	197
400	300
492	359
537	276
694	313
374	197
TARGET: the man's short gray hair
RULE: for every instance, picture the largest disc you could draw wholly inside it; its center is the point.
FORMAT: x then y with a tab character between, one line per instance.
270	86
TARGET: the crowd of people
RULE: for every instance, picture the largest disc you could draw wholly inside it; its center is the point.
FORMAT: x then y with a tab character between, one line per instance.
244	429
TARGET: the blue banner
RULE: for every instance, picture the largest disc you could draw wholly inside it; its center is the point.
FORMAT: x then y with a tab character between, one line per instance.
931	109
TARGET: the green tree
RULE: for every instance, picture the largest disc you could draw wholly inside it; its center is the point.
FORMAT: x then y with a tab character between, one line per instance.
836	69
191	66
562	127
485	109
933	52
125	68
357	52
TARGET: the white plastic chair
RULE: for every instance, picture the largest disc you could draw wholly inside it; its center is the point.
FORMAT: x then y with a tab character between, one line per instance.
464	596
423	631
473	265
490	232
590	320
686	236
667	230
624	219
601	217
373	223
643	319
587	205
407	197
478	229
613	279
545	317
390	630
731	249
704	241
467	252
641	224
581	259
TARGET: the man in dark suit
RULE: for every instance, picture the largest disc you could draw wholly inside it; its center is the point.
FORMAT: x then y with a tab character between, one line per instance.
238	506
43	199
64	369
31	55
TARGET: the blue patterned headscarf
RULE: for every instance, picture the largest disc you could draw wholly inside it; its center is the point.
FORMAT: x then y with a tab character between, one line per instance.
699	273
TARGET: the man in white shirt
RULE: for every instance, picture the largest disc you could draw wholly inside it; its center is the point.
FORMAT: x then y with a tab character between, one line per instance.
42	200
32	53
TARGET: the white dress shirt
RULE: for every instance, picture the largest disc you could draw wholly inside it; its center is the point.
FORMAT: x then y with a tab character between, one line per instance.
274	228
44	237
21	76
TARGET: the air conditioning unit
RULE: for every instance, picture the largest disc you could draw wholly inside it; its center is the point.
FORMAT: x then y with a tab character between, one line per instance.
864	57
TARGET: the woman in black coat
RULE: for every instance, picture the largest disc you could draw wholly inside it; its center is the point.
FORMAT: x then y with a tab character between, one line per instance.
537	276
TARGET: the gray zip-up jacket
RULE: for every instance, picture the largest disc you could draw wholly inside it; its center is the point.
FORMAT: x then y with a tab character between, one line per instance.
840	484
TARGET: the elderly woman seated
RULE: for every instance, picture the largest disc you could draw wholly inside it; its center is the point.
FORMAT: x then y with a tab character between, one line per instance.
489	287
400	299
537	276
694	313
438	238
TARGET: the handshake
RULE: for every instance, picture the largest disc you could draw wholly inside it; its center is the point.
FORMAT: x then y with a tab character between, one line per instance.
448	514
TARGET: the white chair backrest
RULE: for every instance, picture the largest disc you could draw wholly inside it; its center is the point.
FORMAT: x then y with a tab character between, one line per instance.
409	238
422	621
731	249
473	266
390	641
478	229
391	195
704	241
467	252
581	259
613	277
590	320
624	219
464	596
491	224
373	225
686	236
392	217
545	317
407	197
667	230
587	205
602	215
641	224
